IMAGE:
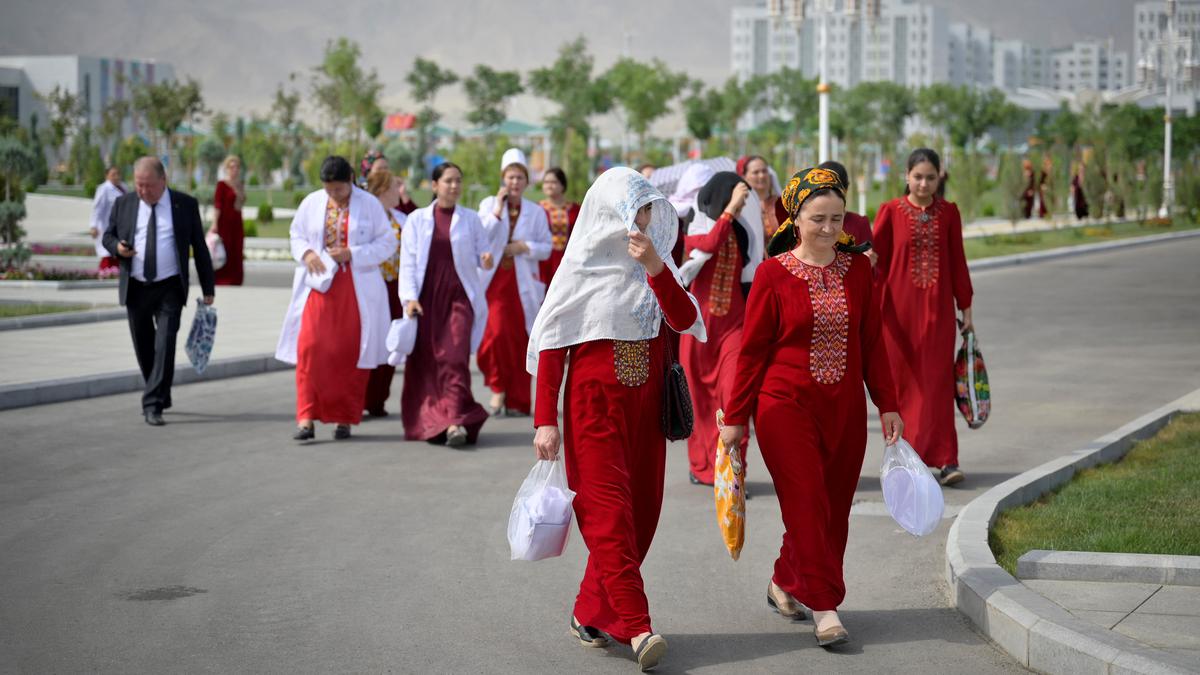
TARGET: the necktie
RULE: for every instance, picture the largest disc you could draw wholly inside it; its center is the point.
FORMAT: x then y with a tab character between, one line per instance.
151	265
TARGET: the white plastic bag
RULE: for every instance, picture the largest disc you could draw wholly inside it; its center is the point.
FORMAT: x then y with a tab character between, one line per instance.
321	282
912	496
202	335
401	338
216	250
540	521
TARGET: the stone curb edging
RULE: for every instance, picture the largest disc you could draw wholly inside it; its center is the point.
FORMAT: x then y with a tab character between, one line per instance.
1038	633
1072	251
60	285
61	319
1137	568
88	386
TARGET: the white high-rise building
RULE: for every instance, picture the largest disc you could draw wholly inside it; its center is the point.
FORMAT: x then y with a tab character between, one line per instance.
1149	32
1088	66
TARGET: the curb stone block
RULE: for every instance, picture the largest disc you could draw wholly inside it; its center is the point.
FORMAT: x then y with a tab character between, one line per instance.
1056	649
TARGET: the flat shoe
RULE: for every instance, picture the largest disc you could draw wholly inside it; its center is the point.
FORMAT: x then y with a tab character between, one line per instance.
951	475
832	636
650	653
588	636
456	438
304	434
785	606
342	432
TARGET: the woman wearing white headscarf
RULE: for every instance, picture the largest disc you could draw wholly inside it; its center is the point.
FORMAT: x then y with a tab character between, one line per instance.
606	311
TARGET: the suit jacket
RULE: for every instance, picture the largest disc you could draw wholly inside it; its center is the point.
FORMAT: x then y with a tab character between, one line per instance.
189	231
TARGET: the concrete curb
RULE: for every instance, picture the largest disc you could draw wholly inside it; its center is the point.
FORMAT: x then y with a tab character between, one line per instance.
88	386
61	319
1036	632
1072	251
61	285
1175	570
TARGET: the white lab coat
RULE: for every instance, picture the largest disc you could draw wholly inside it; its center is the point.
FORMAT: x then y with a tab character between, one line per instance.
533	228
468	241
102	203
371	241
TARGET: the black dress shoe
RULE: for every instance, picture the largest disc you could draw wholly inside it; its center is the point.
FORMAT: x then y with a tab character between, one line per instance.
342	432
304	434
154	419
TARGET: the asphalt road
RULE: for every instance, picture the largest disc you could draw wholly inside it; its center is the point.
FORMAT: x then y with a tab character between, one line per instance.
216	544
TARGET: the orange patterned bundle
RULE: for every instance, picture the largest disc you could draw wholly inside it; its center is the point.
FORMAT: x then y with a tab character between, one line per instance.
729	489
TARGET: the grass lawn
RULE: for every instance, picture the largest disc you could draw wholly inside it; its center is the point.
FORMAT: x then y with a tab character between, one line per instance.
1025	242
1145	503
8	311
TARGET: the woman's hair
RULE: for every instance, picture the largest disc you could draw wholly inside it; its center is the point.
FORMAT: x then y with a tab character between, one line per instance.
840	170
231	158
442	168
926	155
558	174
516	165
380	182
751	158
820	192
335	169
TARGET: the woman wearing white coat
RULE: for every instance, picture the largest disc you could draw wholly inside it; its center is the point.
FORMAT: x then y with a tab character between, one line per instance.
336	335
521	239
442	250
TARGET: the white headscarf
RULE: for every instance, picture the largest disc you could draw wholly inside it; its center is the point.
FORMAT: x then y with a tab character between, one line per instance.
599	292
694	178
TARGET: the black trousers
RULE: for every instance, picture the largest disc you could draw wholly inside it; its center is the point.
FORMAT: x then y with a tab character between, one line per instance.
154	310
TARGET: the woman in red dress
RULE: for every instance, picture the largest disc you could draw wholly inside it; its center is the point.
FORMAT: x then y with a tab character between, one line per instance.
441	252
757	172
811	339
386	188
227	202
615	296
922	272
561	215
854	224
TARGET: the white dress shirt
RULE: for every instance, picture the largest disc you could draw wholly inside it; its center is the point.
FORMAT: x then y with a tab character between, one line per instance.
166	255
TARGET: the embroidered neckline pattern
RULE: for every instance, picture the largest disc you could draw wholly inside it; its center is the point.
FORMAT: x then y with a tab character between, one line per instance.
560	223
336	220
720	298
923	246
831	314
631	361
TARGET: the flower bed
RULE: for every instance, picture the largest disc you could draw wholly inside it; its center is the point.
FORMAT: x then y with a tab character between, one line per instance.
62	249
39	273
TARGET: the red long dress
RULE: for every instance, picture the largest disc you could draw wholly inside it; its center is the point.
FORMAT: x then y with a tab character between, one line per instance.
379	387
562	221
856	225
812	337
437	375
232	233
616	458
711	366
923	273
330	387
501	354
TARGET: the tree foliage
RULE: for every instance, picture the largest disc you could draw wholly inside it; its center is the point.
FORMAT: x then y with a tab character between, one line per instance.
488	91
569	83
644	91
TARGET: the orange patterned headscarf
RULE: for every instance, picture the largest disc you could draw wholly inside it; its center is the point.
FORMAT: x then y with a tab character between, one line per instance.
798	190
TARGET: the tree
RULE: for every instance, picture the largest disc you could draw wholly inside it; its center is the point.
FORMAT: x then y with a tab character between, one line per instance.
424	81
263	152
701	110
644	92
112	121
488	91
219	126
790	92
1012	187
166	105
16	162
284	110
1010	117
211	153
66	114
128	152
569	83
343	90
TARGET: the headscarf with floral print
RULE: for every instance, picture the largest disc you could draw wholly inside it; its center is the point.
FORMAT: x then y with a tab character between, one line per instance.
800	189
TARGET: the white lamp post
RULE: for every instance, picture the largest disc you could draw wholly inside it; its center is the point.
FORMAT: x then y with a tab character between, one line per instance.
1169	70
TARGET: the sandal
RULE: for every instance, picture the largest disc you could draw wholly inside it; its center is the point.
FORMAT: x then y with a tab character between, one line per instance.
588	636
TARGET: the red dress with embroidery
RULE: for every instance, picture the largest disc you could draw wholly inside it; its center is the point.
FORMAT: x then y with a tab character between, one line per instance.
501	354
856	225
711	366
562	221
616	458
330	387
812	337
923	274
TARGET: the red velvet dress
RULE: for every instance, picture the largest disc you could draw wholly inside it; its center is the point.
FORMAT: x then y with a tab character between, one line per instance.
856	225
379	387
812	337
501	354
562	221
437	374
330	387
232	233
923	273
616	458
711	366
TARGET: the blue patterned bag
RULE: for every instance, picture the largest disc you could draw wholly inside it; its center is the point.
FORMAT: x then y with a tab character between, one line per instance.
200	338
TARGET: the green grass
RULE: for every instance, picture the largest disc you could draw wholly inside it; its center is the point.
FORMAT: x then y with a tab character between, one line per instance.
1145	503
9	311
1026	242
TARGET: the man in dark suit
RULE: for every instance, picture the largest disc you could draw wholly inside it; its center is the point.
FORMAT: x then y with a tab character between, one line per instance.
150	231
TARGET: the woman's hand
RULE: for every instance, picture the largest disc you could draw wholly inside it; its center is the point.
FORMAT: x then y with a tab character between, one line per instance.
501	200
641	249
313	262
893	427
486	261
546	441
741	192
413	308
967	323
516	248
731	435
340	254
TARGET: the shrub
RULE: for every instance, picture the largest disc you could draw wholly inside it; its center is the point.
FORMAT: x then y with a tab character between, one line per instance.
68	180
11	214
253	182
989	211
265	213
298	196
14	257
204	195
250	228
289	184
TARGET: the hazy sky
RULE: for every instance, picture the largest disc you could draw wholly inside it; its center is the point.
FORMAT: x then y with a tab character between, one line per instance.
240	49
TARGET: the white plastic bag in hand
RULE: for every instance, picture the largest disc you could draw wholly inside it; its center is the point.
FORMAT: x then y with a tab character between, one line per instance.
912	496
540	521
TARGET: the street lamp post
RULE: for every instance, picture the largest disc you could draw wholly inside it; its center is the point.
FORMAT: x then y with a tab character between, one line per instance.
1169	70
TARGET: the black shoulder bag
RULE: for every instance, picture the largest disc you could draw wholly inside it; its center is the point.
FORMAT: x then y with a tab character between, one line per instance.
677	399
